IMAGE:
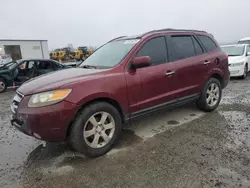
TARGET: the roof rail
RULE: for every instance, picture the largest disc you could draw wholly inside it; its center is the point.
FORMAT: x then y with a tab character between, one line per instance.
171	29
116	38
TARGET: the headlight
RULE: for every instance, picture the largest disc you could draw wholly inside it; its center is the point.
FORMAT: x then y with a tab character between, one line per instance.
237	64
48	98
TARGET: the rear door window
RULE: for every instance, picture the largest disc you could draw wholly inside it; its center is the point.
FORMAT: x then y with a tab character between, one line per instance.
181	47
44	67
155	48
207	42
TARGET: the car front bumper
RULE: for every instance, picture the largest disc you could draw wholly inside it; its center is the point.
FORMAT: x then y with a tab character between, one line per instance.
236	71
46	123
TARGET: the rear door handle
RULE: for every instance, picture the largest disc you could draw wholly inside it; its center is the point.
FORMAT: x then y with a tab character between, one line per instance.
207	62
169	73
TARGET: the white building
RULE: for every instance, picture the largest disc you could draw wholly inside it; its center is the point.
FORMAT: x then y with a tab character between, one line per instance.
24	49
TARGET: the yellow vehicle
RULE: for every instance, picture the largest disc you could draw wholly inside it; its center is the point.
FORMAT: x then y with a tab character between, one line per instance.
54	54
82	53
65	54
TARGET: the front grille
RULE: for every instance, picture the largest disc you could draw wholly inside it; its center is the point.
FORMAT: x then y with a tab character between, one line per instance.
16	101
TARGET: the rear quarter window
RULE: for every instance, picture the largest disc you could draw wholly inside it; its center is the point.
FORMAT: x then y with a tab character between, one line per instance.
207	42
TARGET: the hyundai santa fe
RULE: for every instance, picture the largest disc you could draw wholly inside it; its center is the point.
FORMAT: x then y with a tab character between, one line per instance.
126	78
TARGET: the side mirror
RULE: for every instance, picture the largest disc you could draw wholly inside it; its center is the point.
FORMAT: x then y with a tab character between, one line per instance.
143	61
248	53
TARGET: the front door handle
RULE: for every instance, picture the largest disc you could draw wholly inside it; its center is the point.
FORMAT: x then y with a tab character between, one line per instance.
169	73
207	62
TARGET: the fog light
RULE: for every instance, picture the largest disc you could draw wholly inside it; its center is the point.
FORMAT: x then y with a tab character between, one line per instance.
37	135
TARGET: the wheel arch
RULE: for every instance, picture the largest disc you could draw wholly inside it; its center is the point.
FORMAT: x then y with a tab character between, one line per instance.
109	100
5	83
220	78
5	79
217	74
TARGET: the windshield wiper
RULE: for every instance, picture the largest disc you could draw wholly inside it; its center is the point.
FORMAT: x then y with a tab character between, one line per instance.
89	66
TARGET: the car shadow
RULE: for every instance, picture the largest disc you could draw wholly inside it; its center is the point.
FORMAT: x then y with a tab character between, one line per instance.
50	152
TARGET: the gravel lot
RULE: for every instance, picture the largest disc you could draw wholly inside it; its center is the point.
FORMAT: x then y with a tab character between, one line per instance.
183	147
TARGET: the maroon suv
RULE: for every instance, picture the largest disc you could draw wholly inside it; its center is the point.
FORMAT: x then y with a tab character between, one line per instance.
125	78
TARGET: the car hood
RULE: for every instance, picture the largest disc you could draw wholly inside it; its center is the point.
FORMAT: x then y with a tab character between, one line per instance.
3	68
235	59
4	71
56	80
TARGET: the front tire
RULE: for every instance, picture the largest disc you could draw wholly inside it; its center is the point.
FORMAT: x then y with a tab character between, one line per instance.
95	129
3	85
245	72
211	95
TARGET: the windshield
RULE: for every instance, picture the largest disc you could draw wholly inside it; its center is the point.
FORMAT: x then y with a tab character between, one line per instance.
110	54
233	50
244	42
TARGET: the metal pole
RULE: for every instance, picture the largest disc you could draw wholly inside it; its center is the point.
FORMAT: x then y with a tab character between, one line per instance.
41	44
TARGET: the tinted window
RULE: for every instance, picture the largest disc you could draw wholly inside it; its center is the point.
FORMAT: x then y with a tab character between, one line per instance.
197	47
207	42
56	65
182	47
156	49
44	65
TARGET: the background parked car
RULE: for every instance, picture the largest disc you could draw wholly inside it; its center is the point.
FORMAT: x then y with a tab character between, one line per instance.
15	73
245	40
239	59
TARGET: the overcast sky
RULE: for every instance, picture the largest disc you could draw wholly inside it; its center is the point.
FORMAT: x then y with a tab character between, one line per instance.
93	22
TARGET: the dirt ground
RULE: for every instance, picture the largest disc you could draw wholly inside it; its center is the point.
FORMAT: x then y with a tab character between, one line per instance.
180	148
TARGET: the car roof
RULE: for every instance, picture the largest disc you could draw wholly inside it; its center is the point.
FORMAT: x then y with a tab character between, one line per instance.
246	38
33	59
167	30
228	45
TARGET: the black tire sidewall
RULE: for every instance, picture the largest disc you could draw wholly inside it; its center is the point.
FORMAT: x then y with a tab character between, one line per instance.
202	102
76	134
245	72
2	80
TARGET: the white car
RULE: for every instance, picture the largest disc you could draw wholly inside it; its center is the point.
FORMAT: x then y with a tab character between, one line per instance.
238	59
245	40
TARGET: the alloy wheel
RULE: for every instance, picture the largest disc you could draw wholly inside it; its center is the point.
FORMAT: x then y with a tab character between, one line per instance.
99	130
213	94
2	86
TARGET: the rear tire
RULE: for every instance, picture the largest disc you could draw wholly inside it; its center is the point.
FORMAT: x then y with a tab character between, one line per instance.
211	95
3	85
95	129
